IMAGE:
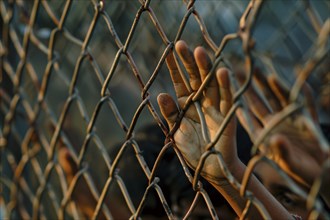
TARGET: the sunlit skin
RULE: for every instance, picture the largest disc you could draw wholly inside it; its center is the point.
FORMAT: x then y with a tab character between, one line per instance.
216	102
214	107
81	193
295	144
280	189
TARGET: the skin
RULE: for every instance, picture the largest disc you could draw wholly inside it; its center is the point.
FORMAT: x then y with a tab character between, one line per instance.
216	102
280	189
295	144
188	138
174	184
87	203
129	171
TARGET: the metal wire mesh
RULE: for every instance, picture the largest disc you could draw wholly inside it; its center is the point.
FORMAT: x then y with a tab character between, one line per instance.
83	75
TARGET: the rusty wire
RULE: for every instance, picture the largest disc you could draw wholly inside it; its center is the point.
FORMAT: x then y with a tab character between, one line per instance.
17	65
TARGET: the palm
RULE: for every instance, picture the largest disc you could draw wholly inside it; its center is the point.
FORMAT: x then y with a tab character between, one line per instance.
190	141
297	150
188	137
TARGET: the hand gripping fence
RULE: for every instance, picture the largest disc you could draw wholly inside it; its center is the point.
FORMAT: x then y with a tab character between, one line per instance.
83	75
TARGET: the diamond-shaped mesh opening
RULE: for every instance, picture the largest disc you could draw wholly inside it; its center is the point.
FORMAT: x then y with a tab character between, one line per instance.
81	132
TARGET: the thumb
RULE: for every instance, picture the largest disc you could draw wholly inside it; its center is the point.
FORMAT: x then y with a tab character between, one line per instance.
168	108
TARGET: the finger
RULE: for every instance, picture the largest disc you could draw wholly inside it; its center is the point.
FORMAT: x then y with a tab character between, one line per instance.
226	98
204	64
189	63
168	108
281	151
270	96
281	92
67	163
279	147
179	86
249	122
254	101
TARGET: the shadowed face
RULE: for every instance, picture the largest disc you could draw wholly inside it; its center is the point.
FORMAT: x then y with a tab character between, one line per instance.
280	189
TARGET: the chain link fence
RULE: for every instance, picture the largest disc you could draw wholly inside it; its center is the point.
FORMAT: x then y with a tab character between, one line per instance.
81	133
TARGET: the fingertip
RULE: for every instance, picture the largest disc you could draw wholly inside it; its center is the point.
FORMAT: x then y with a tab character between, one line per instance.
162	98
166	104
222	71
181	45
223	77
168	108
240	114
199	51
202	58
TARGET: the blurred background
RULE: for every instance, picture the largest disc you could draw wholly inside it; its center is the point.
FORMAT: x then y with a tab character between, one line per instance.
76	72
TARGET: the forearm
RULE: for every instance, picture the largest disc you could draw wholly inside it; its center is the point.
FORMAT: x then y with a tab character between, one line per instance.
274	208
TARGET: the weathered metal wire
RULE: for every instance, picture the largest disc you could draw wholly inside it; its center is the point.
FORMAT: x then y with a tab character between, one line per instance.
32	133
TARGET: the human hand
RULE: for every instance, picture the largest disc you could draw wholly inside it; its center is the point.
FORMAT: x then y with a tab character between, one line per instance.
293	144
81	195
188	137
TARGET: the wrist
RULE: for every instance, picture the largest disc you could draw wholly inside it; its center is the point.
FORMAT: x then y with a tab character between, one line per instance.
227	174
